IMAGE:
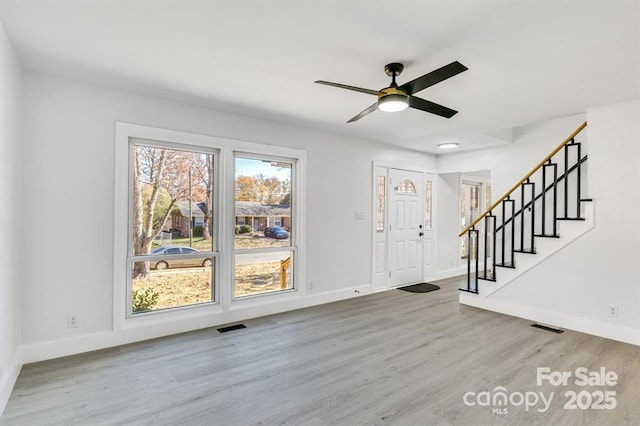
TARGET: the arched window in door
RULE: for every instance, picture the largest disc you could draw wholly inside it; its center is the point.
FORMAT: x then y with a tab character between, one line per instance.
406	187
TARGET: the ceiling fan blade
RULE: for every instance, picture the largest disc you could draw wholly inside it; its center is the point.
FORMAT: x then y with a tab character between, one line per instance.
344	86
432	107
367	111
434	77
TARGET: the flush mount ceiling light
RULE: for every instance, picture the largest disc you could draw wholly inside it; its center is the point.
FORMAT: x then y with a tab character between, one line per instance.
448	145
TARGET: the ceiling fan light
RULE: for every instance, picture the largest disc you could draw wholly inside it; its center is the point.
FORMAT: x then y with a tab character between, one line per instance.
448	145
393	103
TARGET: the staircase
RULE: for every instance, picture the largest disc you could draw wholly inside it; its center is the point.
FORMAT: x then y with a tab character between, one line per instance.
542	213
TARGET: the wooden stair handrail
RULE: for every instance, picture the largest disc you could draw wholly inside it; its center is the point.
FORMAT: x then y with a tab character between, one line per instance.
527	176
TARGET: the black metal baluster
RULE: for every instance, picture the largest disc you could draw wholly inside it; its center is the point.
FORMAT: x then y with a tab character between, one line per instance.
475	290
504	224
489	246
578	178
522	196
555	199
486	254
503	232
495	242
524	206
554	203
513	232
533	215
543	225
472	289
469	263
566	180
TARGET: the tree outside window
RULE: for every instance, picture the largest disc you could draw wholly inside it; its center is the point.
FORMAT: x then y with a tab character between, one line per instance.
171	225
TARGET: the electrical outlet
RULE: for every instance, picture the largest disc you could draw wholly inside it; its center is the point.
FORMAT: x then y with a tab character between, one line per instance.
310	285
613	311
72	320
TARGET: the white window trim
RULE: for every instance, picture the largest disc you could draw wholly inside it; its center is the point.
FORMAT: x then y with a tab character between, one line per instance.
225	219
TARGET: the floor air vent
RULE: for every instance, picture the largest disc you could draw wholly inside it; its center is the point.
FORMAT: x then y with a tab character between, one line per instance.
231	328
547	328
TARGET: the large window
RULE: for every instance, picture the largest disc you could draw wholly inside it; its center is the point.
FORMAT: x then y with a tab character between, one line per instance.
264	248
202	224
172	248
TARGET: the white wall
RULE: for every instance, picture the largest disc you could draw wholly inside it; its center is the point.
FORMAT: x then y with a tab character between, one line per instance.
10	214
448	225
69	189
573	288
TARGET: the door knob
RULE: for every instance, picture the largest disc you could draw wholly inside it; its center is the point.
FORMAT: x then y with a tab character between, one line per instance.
421	234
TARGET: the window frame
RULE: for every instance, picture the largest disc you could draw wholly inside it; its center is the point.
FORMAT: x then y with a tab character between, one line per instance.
213	254
188	317
293	232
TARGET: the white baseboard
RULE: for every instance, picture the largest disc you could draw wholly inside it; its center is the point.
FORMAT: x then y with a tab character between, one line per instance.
557	319
42	351
451	273
8	380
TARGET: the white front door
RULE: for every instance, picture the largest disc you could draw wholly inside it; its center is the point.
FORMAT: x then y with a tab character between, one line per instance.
406	226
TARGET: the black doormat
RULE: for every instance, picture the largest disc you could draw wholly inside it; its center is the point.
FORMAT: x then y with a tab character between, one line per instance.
420	288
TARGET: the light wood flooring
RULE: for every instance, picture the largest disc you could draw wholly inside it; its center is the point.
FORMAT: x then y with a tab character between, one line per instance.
394	358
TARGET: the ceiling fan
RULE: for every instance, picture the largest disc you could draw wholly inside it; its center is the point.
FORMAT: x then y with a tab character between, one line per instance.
398	98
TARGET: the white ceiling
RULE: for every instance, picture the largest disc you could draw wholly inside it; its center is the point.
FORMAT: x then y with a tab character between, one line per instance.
528	60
